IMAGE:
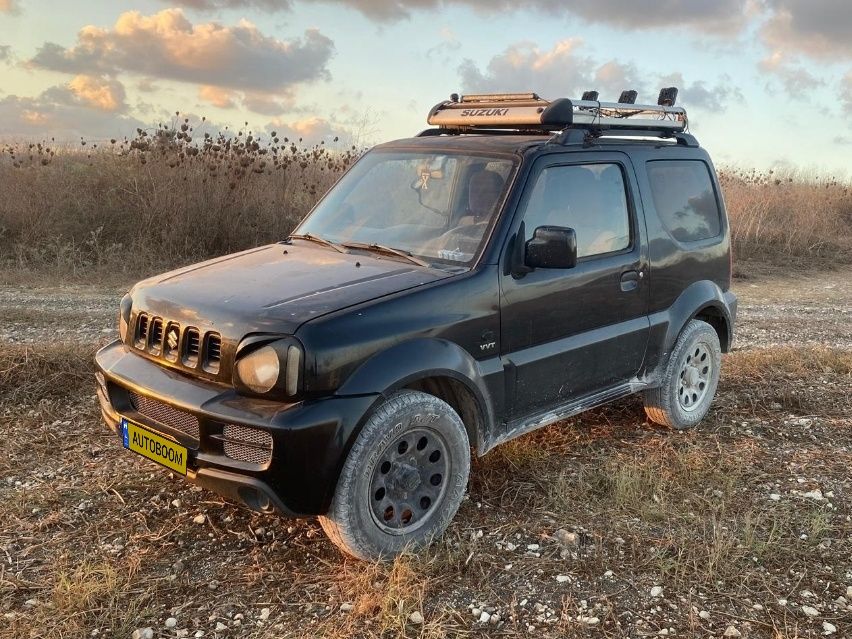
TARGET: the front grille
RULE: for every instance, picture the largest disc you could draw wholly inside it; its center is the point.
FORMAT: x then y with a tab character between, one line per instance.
156	341
191	347
166	415
141	331
184	346
247	444
213	352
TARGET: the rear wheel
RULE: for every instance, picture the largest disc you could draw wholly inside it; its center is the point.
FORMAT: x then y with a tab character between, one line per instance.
403	480
690	379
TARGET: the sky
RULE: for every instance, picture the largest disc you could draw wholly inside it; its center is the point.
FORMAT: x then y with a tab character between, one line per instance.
765	82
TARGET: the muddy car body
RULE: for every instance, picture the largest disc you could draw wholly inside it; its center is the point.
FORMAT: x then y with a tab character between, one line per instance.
366	347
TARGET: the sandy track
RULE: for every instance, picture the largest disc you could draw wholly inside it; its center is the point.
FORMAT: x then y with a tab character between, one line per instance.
793	310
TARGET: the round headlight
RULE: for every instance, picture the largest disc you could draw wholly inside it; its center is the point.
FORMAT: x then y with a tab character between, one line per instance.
259	370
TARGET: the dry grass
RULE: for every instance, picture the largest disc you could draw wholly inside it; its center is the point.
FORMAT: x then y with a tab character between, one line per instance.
800	380
169	197
30	374
181	194
783	216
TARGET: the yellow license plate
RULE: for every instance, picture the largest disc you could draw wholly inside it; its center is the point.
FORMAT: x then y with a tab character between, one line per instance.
153	446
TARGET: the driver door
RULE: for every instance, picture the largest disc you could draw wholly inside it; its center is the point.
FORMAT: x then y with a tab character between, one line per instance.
567	333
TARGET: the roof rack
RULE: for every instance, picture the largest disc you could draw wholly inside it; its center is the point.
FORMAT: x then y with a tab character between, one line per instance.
527	112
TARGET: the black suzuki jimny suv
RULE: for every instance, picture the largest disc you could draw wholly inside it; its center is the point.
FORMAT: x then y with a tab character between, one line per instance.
520	262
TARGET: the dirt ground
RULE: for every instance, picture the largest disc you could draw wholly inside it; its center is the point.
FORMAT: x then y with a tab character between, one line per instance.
794	309
604	525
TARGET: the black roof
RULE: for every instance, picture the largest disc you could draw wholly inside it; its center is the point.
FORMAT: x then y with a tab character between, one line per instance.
475	143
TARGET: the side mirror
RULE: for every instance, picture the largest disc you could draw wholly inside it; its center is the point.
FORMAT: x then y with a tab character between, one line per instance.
551	247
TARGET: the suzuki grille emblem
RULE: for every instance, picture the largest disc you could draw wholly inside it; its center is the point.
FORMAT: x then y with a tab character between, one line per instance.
172	339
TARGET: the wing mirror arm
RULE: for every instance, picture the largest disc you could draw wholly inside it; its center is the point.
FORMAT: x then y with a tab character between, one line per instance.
518	266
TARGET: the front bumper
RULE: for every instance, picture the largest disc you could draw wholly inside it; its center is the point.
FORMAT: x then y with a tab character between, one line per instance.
309	439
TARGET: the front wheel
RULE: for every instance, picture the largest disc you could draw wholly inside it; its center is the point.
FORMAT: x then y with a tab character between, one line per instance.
690	379
403	480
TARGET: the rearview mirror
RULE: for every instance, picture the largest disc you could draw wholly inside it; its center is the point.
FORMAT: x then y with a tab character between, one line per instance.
551	247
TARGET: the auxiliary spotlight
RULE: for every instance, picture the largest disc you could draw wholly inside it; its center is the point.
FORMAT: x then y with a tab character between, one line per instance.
628	97
668	96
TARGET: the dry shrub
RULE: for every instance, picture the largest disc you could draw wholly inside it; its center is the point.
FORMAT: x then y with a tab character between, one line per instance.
801	380
778	215
50	371
177	195
753	366
180	194
95	593
386	594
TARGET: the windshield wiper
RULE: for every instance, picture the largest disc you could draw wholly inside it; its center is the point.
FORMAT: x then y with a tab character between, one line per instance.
318	240
387	250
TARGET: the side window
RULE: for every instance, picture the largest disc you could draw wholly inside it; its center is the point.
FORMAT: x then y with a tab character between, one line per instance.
684	199
590	199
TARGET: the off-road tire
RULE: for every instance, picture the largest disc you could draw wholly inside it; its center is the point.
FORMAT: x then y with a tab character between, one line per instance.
352	523
664	404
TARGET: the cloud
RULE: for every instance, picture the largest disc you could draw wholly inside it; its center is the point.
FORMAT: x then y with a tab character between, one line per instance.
267	104
552	73
9	6
846	92
257	102
146	85
313	126
564	71
699	95
5	52
796	79
216	96
60	113
167	45
715	16
448	44
102	94
217	5
310	130
818	29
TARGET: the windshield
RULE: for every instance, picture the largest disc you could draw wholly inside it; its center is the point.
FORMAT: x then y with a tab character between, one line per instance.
436	207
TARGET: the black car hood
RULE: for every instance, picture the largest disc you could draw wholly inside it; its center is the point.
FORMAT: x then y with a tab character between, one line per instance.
274	288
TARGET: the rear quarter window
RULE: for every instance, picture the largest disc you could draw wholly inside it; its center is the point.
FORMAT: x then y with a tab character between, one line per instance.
685	199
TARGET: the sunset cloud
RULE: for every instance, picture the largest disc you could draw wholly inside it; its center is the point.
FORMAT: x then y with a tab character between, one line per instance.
216	96
167	45
254	101
8	6
58	113
311	130
98	93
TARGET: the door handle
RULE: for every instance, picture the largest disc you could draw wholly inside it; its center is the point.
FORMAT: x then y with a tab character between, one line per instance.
630	281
